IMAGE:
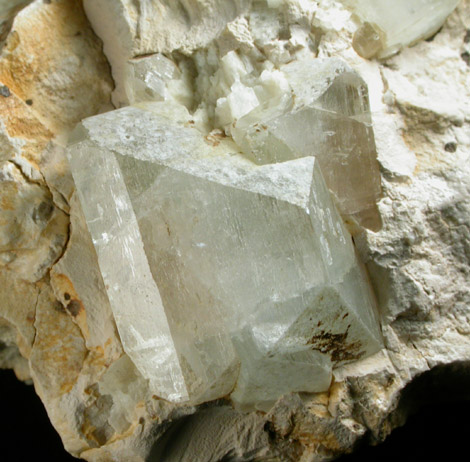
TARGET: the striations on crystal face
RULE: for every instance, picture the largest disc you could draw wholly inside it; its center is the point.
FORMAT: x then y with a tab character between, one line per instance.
329	119
223	275
390	26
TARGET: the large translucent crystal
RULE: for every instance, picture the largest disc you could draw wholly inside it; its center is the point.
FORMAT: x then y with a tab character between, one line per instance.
389	26
329	119
222	275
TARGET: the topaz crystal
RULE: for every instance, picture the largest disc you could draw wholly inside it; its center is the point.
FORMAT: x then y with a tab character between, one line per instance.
328	119
223	275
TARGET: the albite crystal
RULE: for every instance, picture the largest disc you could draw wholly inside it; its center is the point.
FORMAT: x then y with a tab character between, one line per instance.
222	275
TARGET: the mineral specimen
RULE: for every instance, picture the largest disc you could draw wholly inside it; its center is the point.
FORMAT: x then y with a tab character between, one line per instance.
386	28
212	263
329	118
206	65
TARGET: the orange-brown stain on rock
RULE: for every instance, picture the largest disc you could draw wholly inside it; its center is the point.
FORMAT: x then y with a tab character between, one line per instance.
74	307
100	357
56	40
8	196
94	435
215	137
20	122
59	307
69	298
59	349
65	286
20	75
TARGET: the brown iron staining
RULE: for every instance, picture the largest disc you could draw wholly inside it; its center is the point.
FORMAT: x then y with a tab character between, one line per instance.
71	306
337	346
59	307
214	137
95	427
74	307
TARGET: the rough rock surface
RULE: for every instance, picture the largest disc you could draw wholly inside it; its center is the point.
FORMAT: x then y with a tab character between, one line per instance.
56	326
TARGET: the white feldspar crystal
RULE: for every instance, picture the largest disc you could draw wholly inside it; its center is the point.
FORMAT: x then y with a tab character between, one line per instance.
148	78
220	272
328	117
390	26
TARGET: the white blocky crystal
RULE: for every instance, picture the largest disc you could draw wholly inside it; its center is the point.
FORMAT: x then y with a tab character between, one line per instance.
220	273
390	26
328	118
148	78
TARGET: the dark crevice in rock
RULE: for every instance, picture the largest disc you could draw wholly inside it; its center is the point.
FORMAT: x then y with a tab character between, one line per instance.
160	447
431	417
433	36
429	403
442	384
25	426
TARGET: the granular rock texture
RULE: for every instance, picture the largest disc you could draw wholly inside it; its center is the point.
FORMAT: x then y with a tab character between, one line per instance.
384	113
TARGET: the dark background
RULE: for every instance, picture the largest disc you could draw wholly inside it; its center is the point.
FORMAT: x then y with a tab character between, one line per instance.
440	432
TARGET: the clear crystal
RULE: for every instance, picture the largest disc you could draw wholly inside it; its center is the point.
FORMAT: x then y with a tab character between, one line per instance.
149	77
217	268
329	119
390	26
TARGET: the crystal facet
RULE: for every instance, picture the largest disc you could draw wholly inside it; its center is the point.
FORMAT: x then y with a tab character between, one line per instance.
222	274
329	119
390	26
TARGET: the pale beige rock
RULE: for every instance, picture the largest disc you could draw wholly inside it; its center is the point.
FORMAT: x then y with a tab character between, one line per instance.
435	114
217	429
56	172
18	311
55	332
33	231
52	60
22	133
56	360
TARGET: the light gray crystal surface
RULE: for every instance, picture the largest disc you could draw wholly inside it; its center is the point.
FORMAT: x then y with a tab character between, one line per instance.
390	26
329	118
222	275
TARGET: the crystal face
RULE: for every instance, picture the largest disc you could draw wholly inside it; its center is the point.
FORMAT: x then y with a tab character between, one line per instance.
223	275
329	119
390	26
148	78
